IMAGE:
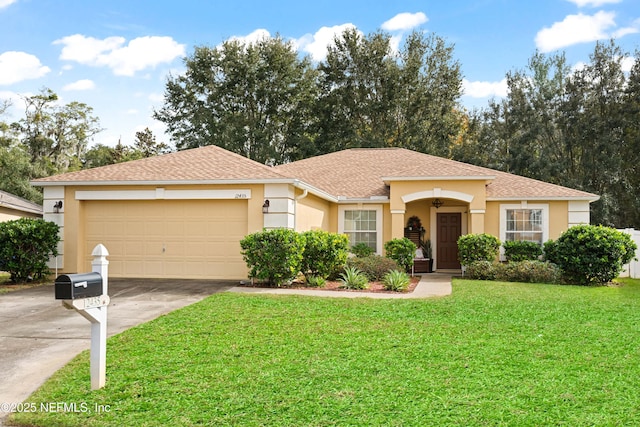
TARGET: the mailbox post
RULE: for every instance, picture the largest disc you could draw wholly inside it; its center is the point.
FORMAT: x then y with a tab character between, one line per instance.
87	293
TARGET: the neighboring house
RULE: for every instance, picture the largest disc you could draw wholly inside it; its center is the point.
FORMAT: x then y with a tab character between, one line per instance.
183	214
14	207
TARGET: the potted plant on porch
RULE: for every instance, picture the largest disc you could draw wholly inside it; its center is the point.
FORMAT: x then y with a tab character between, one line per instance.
428	253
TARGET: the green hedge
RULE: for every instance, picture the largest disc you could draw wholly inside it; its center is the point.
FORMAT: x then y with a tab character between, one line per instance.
477	247
26	244
521	250
591	255
402	251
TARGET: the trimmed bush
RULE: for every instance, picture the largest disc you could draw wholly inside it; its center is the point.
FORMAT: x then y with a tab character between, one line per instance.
477	247
273	255
528	271
396	280
324	253
361	250
25	247
521	250
481	270
374	266
352	278
591	255
402	251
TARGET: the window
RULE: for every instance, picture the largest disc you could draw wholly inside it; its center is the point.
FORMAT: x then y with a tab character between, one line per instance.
362	226
524	222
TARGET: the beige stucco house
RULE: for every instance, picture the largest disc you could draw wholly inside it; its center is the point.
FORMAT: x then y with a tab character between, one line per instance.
183	214
13	207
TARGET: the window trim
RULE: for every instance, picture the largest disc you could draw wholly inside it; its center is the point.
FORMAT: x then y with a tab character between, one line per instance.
378	208
544	207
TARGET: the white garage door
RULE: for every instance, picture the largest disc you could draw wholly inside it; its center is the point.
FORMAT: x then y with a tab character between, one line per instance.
198	239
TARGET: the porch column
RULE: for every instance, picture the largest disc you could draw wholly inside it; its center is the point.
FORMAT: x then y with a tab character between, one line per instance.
397	223
476	225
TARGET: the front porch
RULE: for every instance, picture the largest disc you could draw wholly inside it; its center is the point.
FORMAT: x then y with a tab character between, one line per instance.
430	219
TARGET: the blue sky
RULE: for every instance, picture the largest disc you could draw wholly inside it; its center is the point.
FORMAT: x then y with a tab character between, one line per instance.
116	55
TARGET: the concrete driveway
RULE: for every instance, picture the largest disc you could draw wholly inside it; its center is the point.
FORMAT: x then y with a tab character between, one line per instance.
38	335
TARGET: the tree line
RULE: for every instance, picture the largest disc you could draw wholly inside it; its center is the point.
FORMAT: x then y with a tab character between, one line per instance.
576	127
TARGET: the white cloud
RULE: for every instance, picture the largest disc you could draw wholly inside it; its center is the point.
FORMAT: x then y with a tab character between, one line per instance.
125	60
18	66
84	84
254	36
6	3
593	3
479	89
627	63
405	21
579	28
316	44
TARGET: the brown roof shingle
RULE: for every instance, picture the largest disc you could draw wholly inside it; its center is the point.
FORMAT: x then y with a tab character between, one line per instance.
359	173
210	163
355	173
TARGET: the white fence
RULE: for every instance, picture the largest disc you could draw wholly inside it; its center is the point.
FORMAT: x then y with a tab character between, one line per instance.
633	268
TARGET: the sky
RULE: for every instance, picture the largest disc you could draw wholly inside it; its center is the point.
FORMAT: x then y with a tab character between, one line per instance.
116	55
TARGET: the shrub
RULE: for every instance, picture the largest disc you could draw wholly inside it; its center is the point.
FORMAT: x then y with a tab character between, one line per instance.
373	266
528	271
361	250
481	270
352	278
25	247
402	251
591	255
477	247
324	252
316	281
396	280
273	255
521	250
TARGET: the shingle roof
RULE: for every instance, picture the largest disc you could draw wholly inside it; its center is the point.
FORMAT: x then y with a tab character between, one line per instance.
210	163
360	173
354	173
9	201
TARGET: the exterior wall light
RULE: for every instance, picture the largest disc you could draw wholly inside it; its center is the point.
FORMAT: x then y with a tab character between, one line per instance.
265	206
57	206
437	203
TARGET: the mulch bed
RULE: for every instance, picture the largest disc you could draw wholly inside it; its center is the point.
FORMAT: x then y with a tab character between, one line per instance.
376	287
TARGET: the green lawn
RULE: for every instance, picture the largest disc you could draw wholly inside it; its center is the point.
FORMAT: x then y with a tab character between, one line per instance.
491	354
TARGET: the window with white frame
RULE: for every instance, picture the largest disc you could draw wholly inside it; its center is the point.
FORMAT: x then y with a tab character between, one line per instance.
362	225
524	222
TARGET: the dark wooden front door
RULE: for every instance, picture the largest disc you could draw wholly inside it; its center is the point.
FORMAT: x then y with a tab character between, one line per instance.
449	229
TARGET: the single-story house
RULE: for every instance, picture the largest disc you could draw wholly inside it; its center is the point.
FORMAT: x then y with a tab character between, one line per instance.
183	214
14	207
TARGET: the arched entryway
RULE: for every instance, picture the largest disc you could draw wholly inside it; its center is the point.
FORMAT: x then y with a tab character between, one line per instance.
447	218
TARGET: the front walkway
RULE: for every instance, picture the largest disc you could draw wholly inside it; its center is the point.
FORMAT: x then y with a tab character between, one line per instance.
430	285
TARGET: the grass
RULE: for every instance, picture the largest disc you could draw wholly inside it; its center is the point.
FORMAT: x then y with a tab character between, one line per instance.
492	354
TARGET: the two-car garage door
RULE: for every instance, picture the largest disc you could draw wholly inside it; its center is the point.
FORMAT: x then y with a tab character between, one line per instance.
169	238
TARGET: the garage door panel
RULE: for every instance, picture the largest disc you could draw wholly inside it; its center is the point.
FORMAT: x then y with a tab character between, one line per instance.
200	238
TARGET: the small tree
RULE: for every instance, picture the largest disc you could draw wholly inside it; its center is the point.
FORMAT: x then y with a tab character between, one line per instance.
402	251
591	255
477	247
273	255
25	247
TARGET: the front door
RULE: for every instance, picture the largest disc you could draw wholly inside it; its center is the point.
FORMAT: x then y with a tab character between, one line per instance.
449	226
